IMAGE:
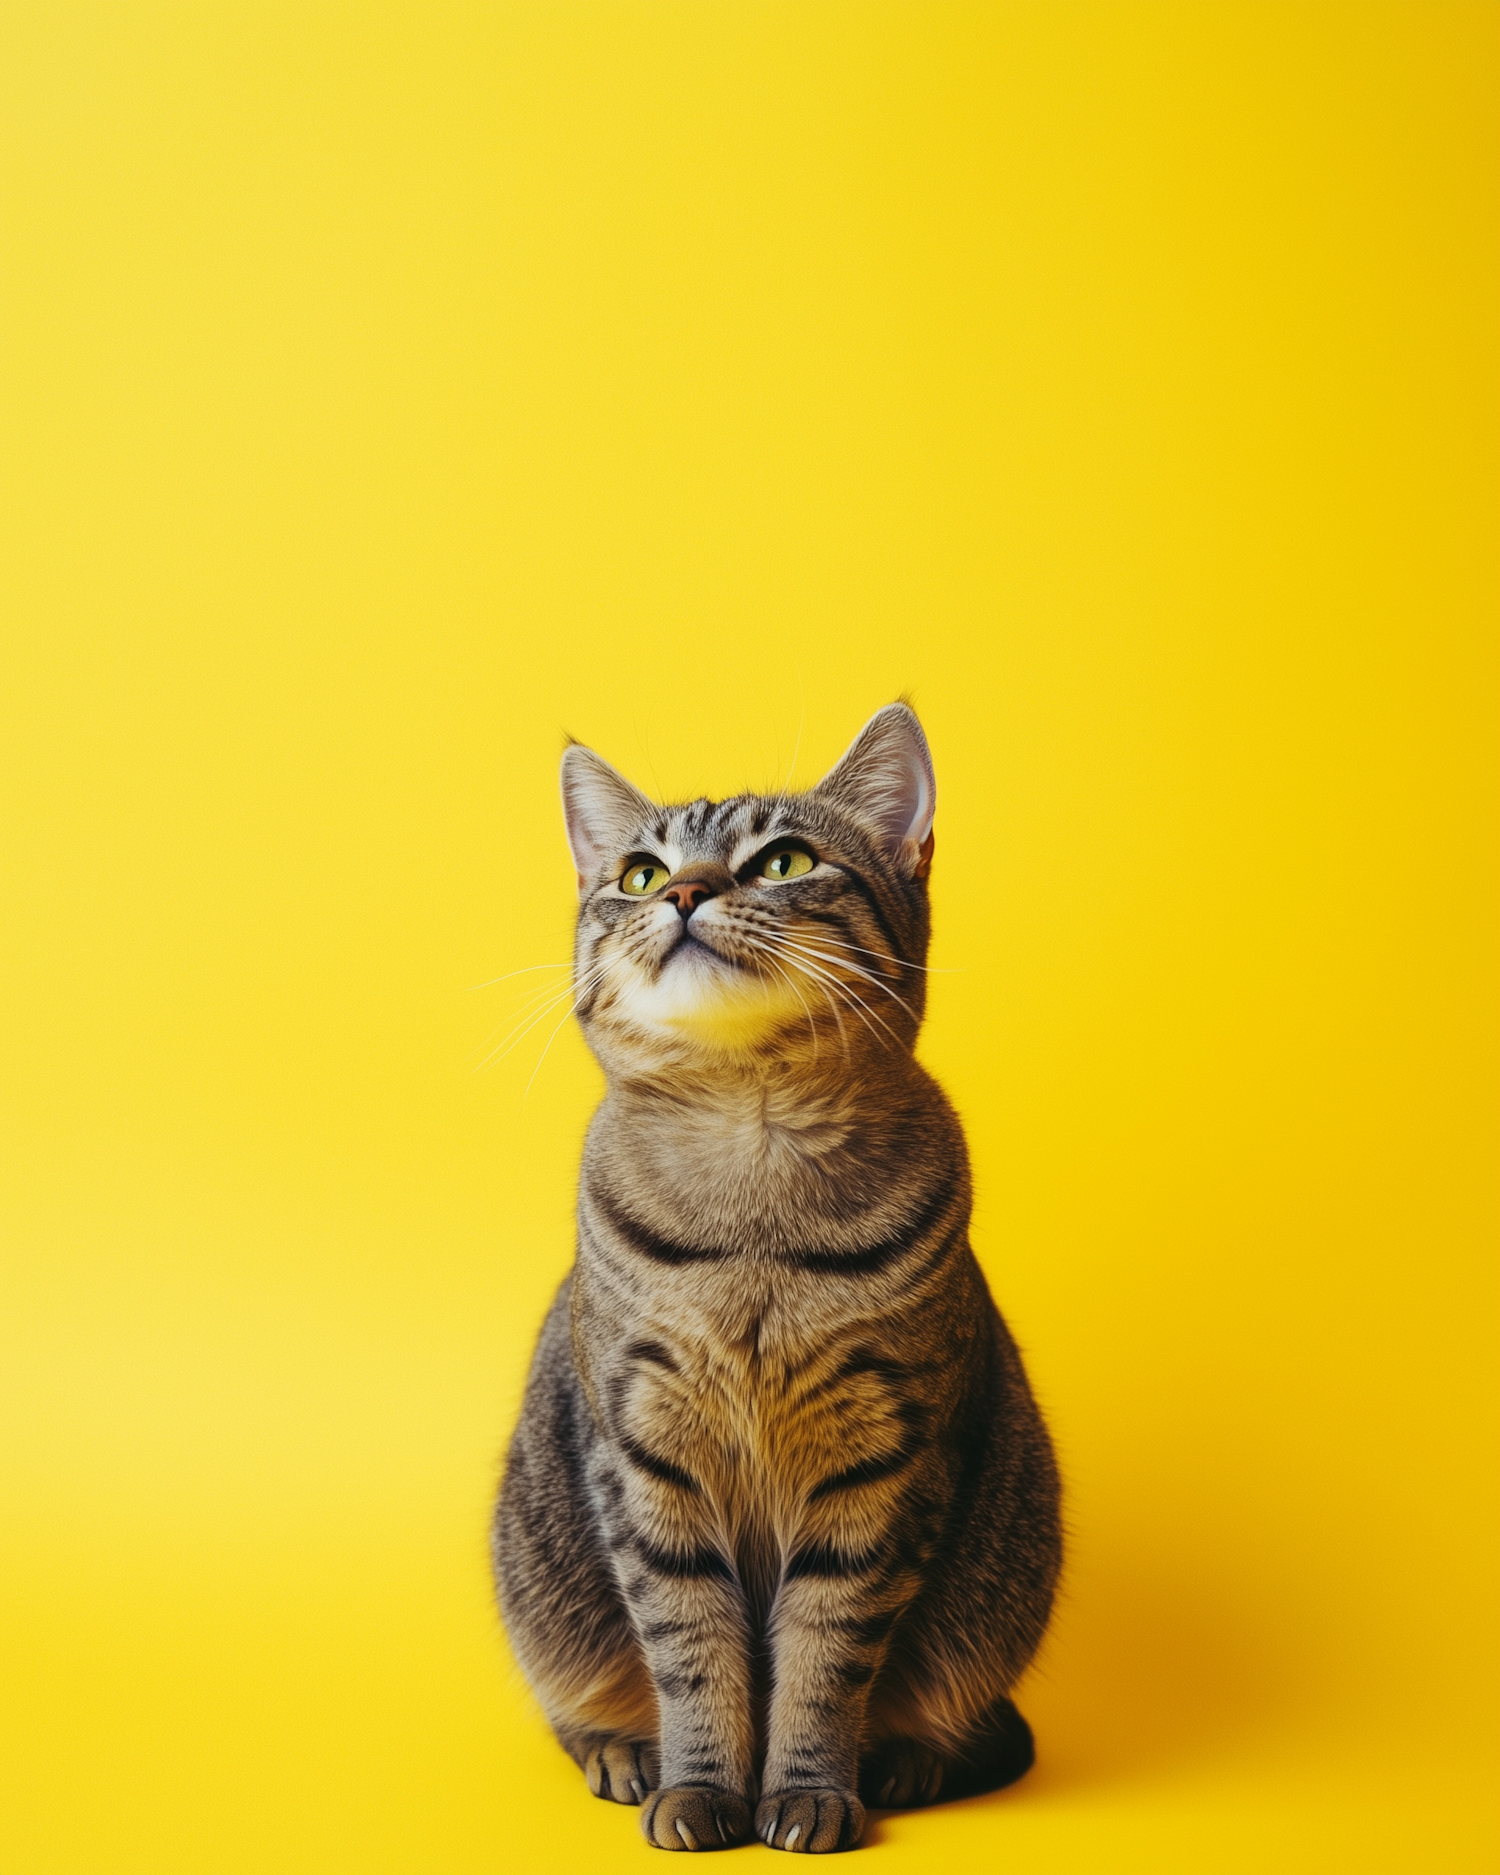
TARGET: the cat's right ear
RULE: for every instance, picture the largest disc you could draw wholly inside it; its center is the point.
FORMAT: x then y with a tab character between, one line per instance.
603	812
885	778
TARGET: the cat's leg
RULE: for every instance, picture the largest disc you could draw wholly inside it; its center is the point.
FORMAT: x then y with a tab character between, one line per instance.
835	1609
688	1609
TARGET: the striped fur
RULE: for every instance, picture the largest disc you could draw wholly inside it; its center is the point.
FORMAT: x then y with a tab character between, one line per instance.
779	1525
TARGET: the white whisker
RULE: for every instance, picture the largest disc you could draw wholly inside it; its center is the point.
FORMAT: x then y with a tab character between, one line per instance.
787	947
864	975
826	937
837	984
603	970
790	982
576	990
527	1006
526	969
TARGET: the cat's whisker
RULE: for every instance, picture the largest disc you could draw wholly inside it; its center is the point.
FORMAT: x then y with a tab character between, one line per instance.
859	971
574	990
603	971
860	1007
535	1004
805	961
505	976
528	1001
570	1011
825	936
864	975
837	1018
514	1037
821	934
533	998
790	981
751	942
822	988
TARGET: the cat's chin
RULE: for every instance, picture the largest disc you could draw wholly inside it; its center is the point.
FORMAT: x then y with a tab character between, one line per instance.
702	997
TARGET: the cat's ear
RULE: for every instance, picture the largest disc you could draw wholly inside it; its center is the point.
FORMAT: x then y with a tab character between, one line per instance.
885	779
603	812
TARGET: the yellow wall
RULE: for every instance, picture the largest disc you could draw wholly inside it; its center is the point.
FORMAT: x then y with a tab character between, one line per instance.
393	387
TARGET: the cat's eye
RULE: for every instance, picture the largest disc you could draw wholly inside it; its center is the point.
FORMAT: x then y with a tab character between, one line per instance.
786	862
642	876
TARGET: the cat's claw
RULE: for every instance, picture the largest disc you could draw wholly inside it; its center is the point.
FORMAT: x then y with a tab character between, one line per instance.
621	1770
901	1774
810	1822
695	1816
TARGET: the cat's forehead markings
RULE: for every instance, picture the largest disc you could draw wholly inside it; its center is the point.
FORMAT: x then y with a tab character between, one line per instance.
698	826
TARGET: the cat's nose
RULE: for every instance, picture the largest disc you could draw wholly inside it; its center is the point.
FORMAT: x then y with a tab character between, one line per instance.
687	895
699	881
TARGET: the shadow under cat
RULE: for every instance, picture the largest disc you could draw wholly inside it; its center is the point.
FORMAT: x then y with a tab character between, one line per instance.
1146	1672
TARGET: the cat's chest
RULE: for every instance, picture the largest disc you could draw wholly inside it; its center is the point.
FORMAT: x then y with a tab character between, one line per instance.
762	1401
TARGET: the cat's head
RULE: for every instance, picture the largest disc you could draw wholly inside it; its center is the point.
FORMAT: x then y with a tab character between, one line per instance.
778	926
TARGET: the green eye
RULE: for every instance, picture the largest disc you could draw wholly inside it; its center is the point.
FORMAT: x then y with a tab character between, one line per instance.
786	862
643	876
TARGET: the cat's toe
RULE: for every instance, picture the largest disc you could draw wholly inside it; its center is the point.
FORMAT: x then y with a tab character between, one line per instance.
695	1816
901	1774
812	1822
621	1770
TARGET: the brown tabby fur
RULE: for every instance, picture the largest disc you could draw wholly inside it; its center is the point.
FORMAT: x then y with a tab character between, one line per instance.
779	1526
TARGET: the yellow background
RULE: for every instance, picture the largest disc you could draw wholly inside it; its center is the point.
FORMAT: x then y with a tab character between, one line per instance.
392	387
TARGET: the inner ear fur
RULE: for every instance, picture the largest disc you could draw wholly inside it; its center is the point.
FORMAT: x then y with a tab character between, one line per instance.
885	779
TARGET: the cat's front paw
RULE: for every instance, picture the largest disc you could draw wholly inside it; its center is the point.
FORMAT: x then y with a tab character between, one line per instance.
814	1822
695	1816
621	1770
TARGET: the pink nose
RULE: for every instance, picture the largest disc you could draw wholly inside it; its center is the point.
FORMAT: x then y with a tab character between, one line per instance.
688	896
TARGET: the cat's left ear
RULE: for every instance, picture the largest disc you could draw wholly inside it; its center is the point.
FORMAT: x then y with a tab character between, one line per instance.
885	779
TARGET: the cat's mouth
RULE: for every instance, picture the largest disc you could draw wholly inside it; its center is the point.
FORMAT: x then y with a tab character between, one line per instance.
704	980
692	946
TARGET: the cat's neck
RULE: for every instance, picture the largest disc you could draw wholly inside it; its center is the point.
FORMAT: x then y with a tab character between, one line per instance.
742	1138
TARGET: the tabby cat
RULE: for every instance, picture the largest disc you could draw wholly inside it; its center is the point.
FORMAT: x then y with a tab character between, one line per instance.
779	1525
